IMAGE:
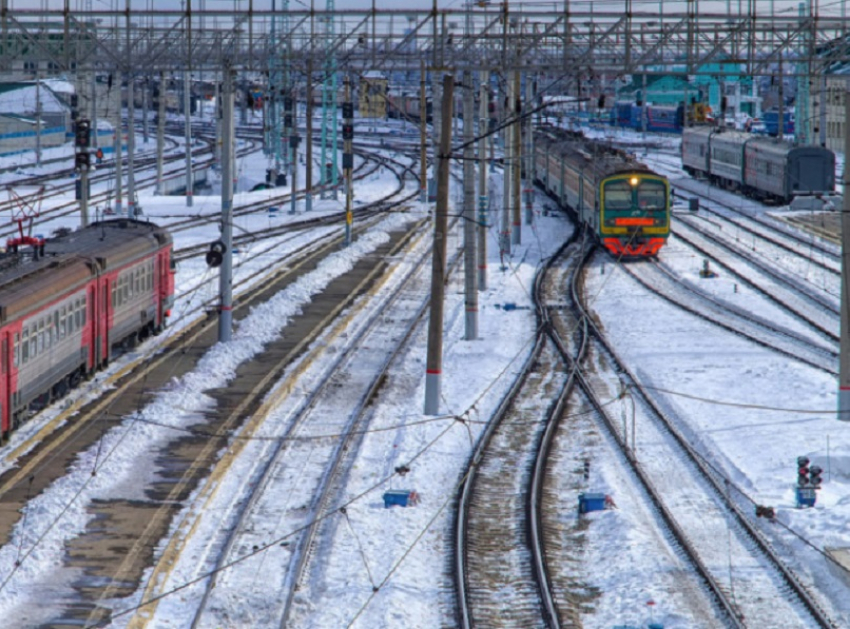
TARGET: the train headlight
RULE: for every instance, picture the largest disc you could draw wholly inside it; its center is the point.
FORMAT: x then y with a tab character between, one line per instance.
633	181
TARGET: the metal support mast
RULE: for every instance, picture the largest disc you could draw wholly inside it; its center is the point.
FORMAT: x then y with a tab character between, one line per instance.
329	167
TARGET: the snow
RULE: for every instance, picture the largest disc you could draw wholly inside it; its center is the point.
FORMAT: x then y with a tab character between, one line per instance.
751	412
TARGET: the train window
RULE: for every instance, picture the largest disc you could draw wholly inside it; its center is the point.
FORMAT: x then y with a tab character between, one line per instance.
114	292
77	322
17	350
40	345
652	195
25	347
33	343
83	306
61	325
618	195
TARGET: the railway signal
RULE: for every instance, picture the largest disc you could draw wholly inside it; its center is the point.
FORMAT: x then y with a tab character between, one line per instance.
803	471
215	256
816	476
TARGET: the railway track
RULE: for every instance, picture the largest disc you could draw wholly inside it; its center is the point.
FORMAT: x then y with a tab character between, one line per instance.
49	453
712	511
352	380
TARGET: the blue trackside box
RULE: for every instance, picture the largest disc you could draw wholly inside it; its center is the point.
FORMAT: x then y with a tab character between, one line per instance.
591	502
400	497
806	497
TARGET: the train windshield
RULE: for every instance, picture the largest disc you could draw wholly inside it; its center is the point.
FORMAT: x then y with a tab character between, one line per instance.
618	195
652	195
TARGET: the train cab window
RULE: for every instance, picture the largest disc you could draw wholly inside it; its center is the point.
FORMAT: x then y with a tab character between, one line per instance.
652	195
17	344
618	195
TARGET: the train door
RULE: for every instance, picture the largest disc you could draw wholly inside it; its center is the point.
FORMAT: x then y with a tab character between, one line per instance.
5	383
91	320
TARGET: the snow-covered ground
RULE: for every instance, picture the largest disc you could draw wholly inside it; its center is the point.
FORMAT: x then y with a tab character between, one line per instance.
753	412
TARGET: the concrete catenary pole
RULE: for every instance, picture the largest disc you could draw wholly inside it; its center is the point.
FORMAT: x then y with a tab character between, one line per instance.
131	149
37	121
160	135
423	132
516	163
528	151
434	362
469	254
308	182
294	139
187	127
505	240
225	323
482	182
146	90
131	126
844	348
115	84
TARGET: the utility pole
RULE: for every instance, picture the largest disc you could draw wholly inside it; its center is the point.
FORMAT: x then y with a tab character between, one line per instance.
434	362
160	134
94	140
131	149
114	83
844	343
423	131
187	105
37	121
348	157
187	108
146	89
469	253
505	240
483	128
308	183
528	189
516	164
131	127
225	322
294	140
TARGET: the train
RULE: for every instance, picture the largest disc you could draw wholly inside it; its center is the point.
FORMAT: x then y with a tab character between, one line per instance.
407	107
622	202
68	302
659	119
759	167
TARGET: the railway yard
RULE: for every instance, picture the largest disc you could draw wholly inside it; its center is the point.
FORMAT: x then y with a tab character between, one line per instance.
199	483
616	447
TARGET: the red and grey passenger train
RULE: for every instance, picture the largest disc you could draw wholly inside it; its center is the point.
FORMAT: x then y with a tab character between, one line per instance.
66	303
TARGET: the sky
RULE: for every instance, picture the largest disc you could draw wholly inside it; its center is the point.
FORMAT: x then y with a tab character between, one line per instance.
752	413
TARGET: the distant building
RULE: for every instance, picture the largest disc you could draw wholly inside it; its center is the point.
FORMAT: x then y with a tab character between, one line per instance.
373	95
19	117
